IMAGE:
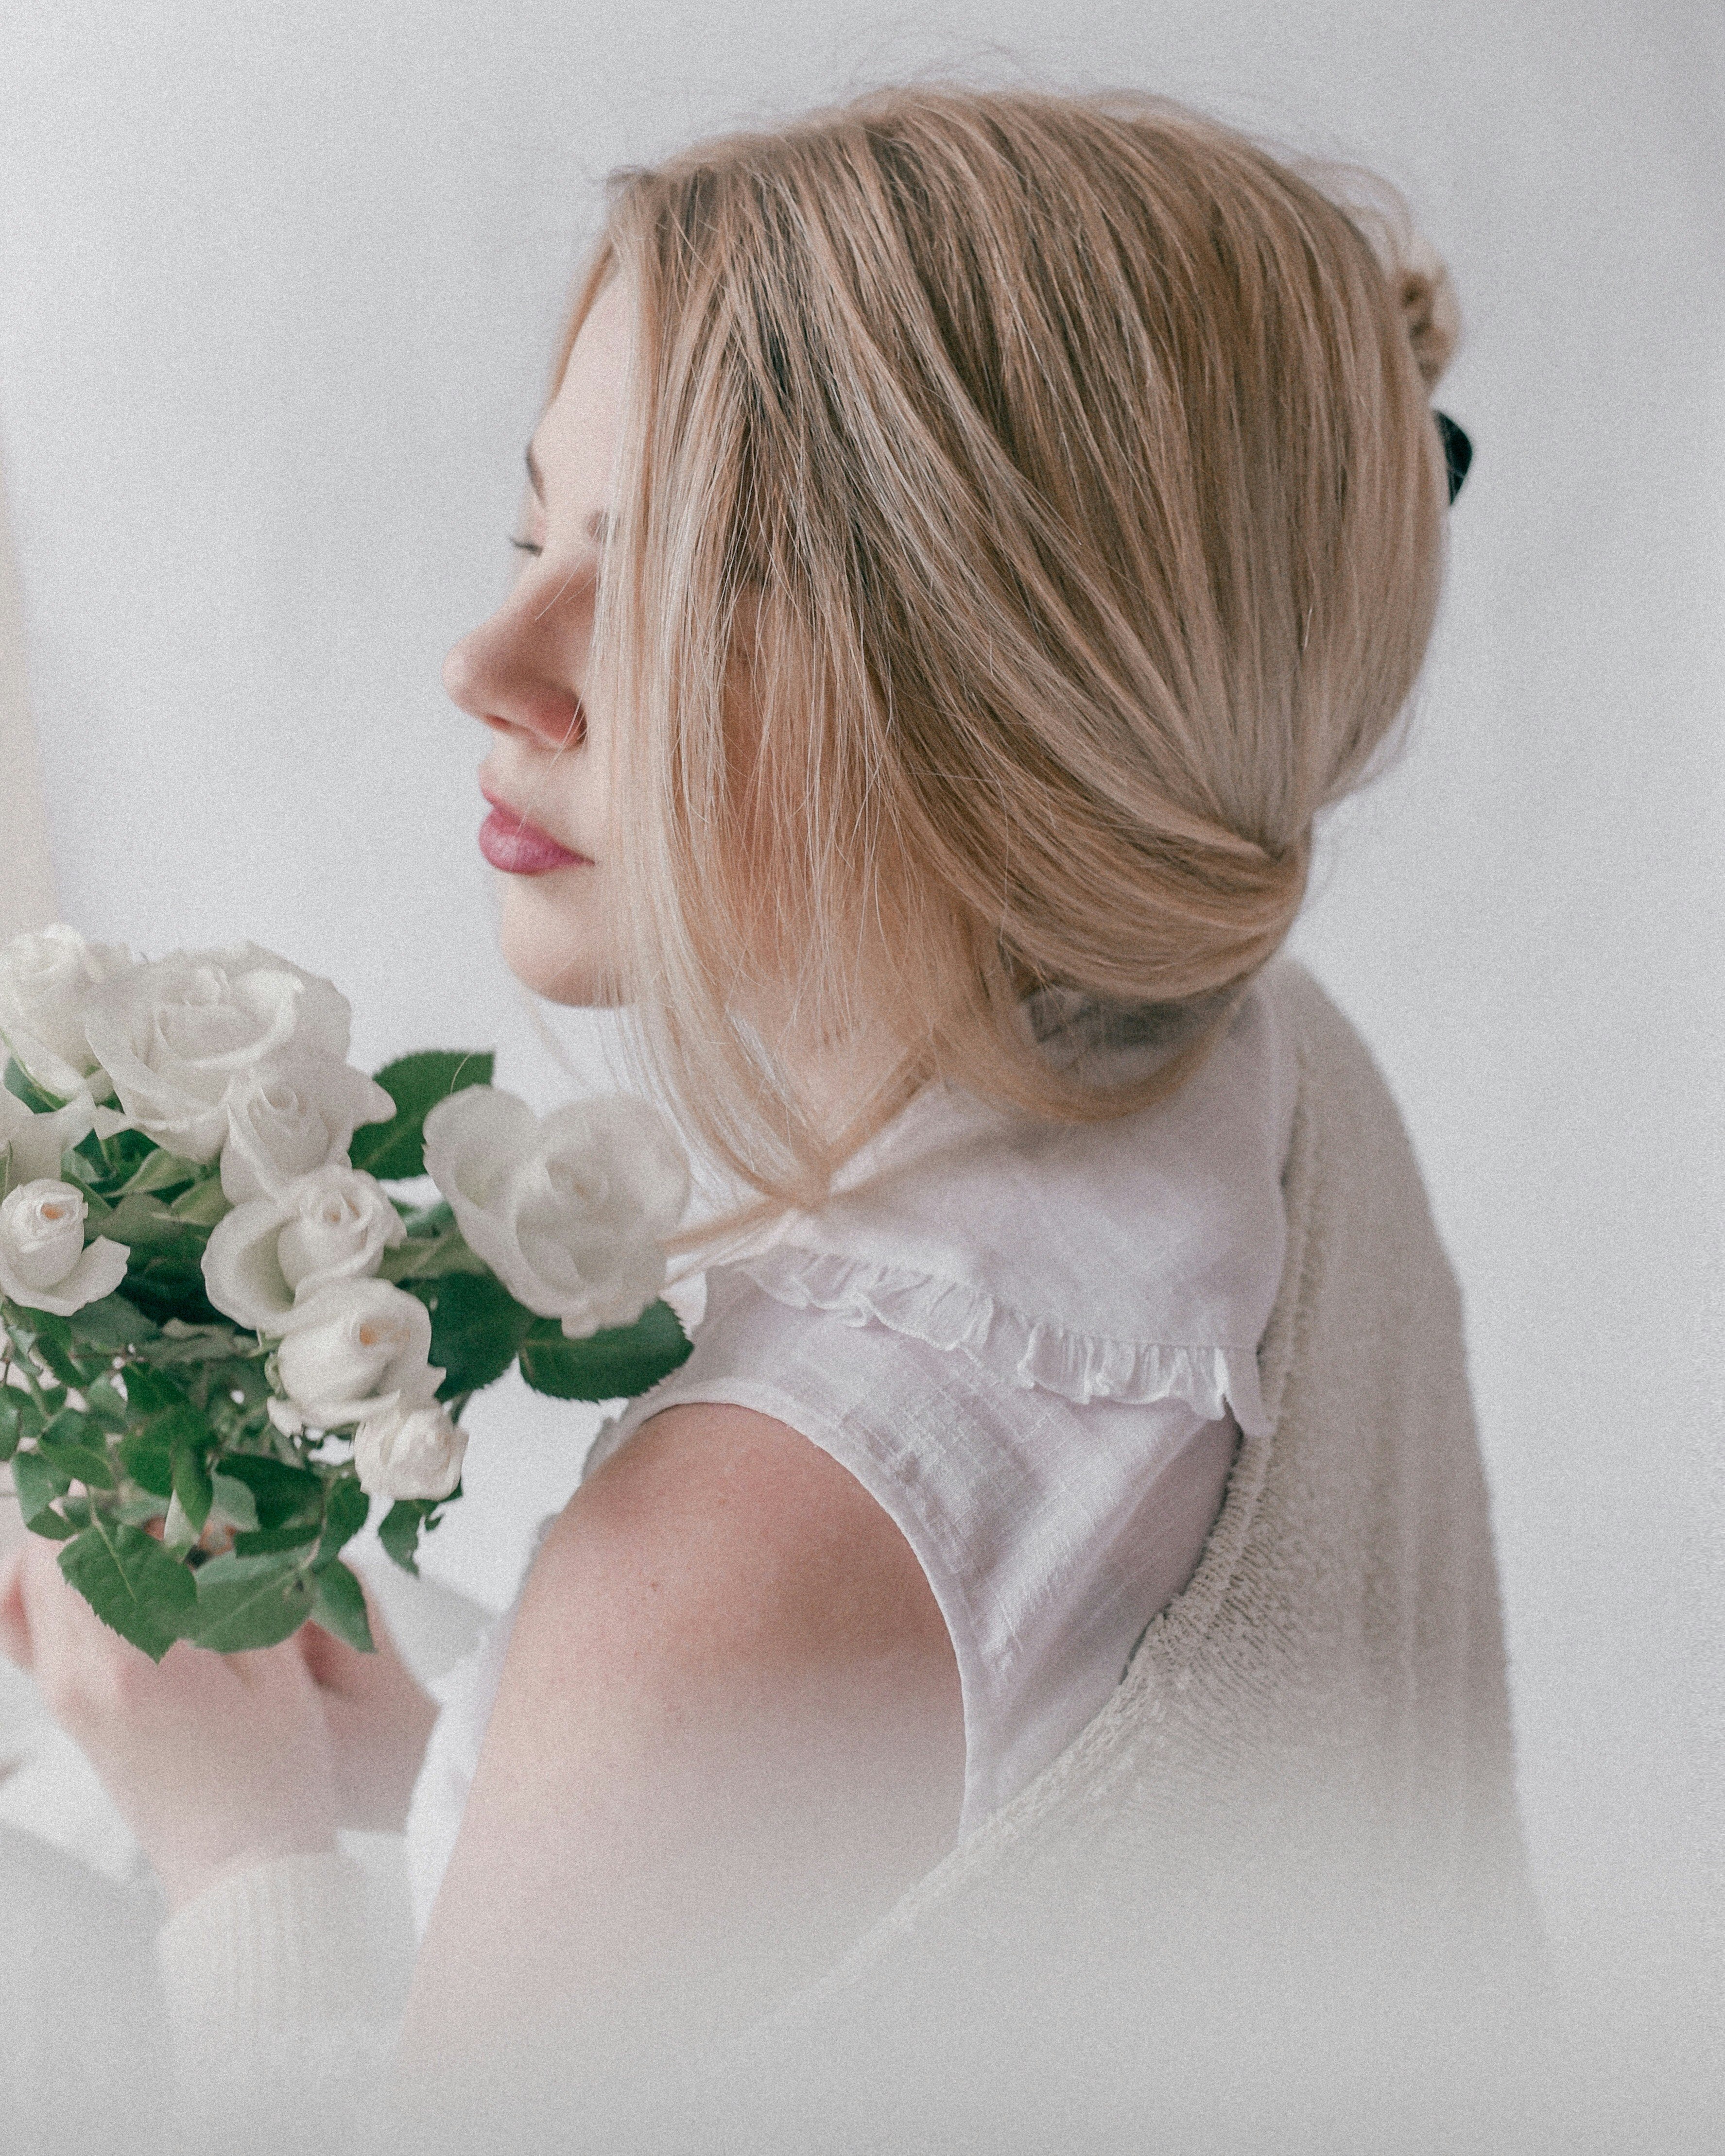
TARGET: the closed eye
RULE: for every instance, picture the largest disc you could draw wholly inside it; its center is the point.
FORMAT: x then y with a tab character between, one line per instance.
525	546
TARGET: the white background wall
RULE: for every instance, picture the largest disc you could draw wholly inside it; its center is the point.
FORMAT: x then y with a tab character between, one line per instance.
278	286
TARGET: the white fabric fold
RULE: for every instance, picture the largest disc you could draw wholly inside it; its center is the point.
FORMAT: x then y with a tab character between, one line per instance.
1026	1352
1133	1260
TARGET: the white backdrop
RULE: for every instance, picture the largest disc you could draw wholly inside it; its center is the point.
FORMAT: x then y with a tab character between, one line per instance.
278	286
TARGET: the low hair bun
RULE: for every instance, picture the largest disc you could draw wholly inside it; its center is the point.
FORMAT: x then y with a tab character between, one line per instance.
1427	298
1417	275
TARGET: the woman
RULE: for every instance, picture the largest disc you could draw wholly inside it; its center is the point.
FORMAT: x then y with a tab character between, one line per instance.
971	538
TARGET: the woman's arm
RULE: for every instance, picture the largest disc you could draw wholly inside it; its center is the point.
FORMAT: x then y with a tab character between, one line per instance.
728	1735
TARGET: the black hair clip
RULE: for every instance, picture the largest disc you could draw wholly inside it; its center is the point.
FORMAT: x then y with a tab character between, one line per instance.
1458	451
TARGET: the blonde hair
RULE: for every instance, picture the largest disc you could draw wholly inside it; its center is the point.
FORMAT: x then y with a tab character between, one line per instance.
1030	517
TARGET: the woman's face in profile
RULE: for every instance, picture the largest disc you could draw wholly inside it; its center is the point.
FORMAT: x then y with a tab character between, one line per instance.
526	673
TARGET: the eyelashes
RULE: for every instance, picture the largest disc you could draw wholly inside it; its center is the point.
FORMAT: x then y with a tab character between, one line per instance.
525	546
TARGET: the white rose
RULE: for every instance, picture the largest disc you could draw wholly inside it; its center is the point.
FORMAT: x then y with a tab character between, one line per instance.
31	1146
568	1212
179	1037
409	1452
294	1114
46	984
333	1225
354	1349
43	1263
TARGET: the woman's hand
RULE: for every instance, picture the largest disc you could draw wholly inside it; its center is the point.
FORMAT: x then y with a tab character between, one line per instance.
379	1720
217	1761
214	1761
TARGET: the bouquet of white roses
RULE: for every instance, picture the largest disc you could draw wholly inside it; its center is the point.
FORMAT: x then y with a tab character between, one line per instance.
222	1335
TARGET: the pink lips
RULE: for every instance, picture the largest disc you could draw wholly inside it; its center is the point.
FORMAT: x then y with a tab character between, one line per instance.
510	842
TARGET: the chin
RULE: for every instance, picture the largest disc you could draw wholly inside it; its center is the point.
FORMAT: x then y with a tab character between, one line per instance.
548	946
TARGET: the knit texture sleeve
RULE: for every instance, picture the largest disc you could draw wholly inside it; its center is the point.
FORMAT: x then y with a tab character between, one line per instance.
284	1983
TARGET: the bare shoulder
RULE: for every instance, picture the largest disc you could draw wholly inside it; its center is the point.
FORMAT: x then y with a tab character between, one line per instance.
728	1734
717	1531
722	1585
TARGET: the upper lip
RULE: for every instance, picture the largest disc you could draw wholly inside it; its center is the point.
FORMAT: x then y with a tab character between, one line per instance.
521	823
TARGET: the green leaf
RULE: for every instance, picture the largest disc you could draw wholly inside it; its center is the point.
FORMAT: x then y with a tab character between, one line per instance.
219	1342
148	1393
159	1171
345	1507
106	1406
165	1277
51	1336
395	1151
281	1494
92	1469
246	1375
192	1486
113	1323
204	1204
84	1173
233	1500
37	1481
78	1449
147	1456
131	1582
169	1283
399	1532
23	1087
430	1257
341	1606
615	1365
246	1602
72	1426
476	1328
13	1427
143	1224
178	1532
183	1424
265	1542
53	1526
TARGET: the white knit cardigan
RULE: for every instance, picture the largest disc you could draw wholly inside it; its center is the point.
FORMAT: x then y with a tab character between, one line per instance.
1293	1822
1274	1895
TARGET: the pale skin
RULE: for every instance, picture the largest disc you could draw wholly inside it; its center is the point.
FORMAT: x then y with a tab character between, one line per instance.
729	1728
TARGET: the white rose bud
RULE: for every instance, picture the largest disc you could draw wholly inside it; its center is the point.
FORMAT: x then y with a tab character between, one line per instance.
409	1452
264	1256
43	1263
47	981
180	1037
291	1116
569	1211
354	1349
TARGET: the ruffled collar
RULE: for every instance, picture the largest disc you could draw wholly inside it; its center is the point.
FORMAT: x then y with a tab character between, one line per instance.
1131	1261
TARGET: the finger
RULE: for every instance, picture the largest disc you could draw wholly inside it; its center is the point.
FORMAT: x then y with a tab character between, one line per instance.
14	1621
86	1667
337	1667
66	1635
278	1672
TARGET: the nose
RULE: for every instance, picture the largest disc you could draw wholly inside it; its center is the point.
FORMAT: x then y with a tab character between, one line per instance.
515	681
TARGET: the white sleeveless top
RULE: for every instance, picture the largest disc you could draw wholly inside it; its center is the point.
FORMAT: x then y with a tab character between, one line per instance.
1034	1346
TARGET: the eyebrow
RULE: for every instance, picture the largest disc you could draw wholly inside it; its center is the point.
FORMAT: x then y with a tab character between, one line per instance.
599	524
